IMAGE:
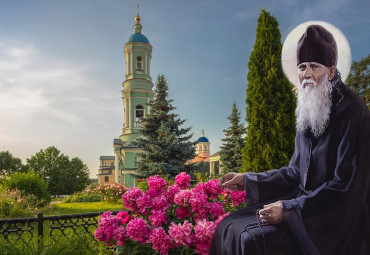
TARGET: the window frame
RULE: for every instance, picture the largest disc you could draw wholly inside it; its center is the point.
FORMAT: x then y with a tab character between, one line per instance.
139	63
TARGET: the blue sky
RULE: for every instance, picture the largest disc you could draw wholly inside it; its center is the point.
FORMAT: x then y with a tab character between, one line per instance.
62	64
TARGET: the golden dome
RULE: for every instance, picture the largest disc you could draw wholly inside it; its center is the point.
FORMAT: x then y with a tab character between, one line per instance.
137	18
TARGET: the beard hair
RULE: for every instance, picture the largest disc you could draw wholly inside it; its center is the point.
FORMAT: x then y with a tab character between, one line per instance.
313	106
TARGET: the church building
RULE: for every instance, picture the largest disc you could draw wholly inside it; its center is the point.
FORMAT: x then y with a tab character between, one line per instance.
202	150
136	93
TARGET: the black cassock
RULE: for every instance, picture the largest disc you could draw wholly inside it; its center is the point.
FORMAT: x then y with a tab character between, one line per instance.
325	190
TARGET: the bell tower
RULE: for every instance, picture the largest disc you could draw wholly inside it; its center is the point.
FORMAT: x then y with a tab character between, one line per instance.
137	88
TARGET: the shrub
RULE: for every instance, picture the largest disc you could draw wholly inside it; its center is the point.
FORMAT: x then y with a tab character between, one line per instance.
29	183
13	204
111	192
169	218
84	196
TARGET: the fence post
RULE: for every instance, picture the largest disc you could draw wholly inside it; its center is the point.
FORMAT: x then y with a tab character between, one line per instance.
40	224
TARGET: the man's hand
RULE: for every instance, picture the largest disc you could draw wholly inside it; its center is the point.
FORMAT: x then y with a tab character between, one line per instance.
232	181
272	213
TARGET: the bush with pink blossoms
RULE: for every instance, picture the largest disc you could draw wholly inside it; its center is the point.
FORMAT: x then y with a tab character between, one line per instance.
111	192
169	219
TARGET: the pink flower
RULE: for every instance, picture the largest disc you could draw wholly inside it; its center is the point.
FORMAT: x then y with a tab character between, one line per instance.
199	188
123	217
237	197
107	225
138	230
108	233
182	235
204	231
160	241
107	219
216	209
160	203
212	189
120	235
183	197
152	193
201	215
130	197
182	213
99	234
182	180
202	248
157	183
144	203
171	192
158	218
198	201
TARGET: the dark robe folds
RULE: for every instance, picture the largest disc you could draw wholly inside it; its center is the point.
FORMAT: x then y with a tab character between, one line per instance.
324	190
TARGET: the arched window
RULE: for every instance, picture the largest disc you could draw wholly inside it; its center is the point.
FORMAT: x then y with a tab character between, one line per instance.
139	112
139	63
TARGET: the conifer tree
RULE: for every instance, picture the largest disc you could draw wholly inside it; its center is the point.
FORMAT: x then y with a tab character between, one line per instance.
359	79
166	146
231	157
270	102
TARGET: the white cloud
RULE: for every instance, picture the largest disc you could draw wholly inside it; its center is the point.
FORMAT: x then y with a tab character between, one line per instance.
46	102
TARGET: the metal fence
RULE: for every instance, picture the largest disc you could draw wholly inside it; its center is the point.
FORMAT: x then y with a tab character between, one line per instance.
24	229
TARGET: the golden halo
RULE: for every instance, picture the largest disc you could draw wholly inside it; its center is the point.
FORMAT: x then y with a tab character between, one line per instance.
289	58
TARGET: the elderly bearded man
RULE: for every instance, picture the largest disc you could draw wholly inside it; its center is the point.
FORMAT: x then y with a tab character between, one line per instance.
319	203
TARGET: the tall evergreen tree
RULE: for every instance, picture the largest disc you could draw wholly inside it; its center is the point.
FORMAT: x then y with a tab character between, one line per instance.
231	157
166	146
270	102
359	79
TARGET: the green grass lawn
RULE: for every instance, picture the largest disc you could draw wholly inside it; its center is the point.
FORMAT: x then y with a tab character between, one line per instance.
82	207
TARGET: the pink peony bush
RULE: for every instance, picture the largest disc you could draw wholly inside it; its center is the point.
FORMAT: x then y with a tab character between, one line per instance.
111	192
169	218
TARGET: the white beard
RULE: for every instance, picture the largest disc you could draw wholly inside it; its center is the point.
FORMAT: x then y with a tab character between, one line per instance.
313	106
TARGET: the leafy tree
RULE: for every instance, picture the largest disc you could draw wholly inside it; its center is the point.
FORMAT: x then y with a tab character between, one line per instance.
10	164
64	176
231	157
270	102
76	177
166	146
359	79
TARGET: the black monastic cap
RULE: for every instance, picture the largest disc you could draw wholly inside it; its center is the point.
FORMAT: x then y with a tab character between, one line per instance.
317	45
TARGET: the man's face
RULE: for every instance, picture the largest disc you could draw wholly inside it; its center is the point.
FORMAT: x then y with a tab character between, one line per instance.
314	97
312	71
